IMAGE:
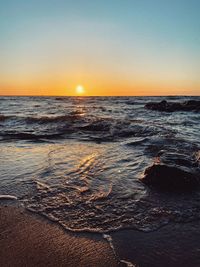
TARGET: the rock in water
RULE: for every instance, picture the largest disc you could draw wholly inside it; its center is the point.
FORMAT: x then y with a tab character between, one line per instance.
168	178
173	172
190	105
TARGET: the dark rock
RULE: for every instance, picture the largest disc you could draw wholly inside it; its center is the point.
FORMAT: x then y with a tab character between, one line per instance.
190	105
175	172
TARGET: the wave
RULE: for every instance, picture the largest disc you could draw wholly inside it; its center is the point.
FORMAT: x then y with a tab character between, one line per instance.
29	136
8	197
42	119
104	215
91	119
96	126
52	119
4	117
78	126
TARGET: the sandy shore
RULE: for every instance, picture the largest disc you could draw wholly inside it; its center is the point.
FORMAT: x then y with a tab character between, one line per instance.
27	240
30	240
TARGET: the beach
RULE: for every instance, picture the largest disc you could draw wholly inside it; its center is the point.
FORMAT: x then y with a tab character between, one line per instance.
27	240
99	133
30	240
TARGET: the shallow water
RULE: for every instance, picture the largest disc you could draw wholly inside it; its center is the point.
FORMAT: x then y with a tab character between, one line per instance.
78	161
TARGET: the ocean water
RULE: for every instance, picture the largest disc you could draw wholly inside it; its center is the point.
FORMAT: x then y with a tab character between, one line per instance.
78	160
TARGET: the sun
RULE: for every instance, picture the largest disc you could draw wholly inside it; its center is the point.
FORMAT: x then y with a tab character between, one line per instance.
80	90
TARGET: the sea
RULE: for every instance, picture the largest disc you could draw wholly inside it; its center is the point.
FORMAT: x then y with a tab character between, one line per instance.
79	161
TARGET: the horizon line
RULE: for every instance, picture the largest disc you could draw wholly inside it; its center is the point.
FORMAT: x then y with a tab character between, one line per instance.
82	96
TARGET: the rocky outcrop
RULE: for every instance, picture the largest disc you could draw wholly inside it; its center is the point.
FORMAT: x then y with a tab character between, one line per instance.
190	105
173	173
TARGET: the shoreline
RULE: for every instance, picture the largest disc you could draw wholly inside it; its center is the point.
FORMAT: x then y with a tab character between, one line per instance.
28	239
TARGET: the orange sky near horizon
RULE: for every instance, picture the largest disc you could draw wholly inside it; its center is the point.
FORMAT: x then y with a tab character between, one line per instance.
95	90
98	87
106	82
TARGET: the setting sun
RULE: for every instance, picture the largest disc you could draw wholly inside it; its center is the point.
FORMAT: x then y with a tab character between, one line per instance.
80	90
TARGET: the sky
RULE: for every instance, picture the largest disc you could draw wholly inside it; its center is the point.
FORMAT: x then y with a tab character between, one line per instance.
110	47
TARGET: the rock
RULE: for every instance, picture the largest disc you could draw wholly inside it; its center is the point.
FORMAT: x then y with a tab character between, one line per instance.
175	172
170	178
190	105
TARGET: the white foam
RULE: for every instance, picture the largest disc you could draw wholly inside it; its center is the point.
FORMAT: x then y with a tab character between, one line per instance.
128	263
8	197
110	241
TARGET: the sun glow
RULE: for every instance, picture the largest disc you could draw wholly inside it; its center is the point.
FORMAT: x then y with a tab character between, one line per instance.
80	90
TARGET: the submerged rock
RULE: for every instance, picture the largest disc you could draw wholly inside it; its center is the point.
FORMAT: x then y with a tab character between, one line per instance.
190	105
174	173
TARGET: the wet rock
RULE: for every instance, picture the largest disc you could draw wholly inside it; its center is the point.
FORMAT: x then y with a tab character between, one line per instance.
190	105
173	172
169	178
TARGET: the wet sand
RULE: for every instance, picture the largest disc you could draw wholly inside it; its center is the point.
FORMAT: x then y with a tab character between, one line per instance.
174	245
28	240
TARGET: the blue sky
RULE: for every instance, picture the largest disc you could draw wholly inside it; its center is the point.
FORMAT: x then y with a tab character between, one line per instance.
125	46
